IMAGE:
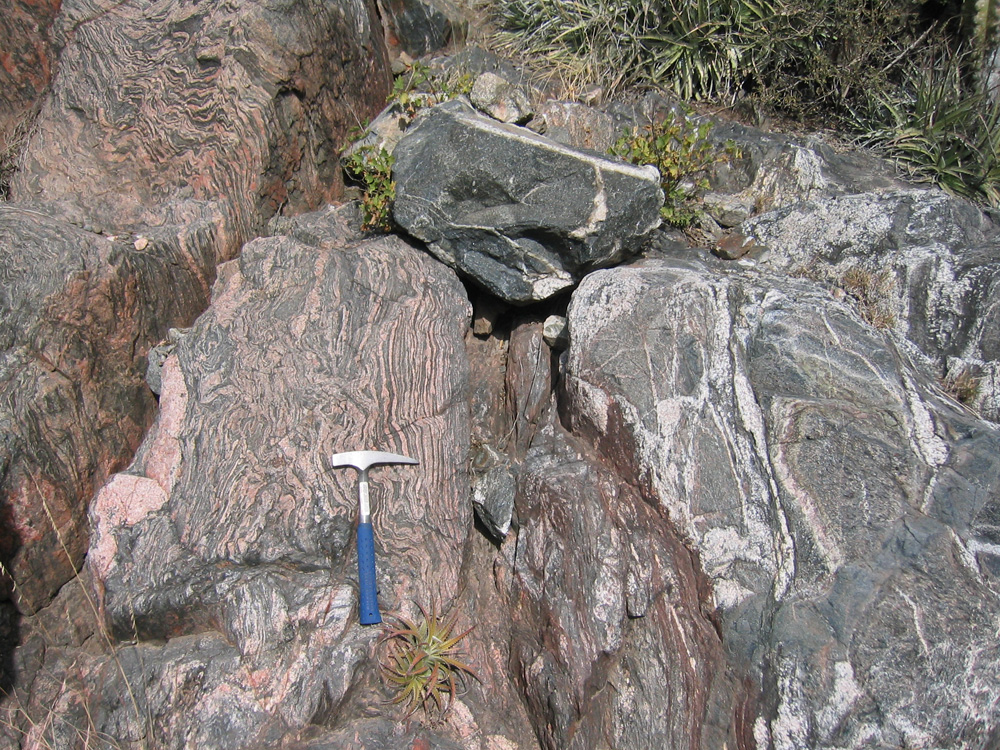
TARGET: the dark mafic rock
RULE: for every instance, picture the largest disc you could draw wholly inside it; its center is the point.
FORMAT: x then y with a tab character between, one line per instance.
521	215
929	262
171	133
610	638
844	510
226	549
419	27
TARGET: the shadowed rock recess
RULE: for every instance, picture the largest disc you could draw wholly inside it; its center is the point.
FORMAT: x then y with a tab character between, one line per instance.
721	504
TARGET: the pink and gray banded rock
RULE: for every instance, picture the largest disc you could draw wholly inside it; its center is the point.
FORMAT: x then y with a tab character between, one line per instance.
171	133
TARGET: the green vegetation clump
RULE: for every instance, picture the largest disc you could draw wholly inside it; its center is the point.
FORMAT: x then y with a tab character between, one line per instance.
418	87
679	148
905	76
420	662
372	167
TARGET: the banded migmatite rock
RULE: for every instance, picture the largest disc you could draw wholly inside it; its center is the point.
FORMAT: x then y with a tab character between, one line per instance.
227	547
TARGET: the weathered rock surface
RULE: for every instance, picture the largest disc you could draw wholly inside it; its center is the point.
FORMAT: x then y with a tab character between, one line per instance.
315	343
501	99
240	103
522	216
173	130
418	27
74	406
843	509
25	72
610	640
933	260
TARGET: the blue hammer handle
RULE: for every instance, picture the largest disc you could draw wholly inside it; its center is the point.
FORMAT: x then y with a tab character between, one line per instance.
368	608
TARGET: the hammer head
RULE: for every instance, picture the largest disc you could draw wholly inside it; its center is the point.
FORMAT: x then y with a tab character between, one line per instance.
363	460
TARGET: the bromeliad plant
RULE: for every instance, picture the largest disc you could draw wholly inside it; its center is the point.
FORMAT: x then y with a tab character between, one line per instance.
420	662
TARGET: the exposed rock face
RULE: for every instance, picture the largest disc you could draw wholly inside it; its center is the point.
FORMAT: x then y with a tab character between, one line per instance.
842	508
418	27
501	99
610	640
172	132
25	72
934	261
244	103
75	405
315	344
522	216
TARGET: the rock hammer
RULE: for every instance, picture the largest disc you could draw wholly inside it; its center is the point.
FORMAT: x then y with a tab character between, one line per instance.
362	461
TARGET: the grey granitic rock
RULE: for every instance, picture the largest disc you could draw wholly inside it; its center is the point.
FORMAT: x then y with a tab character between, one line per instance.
576	125
843	509
521	215
939	256
773	170
555	331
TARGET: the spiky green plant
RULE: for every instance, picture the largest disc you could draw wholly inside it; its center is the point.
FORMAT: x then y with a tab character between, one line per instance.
420	662
698	47
940	131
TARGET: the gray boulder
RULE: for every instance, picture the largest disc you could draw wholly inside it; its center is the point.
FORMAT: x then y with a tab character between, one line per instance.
419	27
501	99
844	510
521	215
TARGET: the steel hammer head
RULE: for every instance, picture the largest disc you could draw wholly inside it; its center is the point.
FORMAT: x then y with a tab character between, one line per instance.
363	460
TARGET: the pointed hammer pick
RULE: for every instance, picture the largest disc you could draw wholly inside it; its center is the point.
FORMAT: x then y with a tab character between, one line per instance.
362	461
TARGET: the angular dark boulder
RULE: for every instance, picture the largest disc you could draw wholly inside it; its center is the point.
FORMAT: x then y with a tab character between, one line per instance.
842	507
523	216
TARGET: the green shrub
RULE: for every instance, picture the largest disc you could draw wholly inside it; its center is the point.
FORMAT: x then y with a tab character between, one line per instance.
841	63
372	167
418	87
680	149
939	131
699	48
